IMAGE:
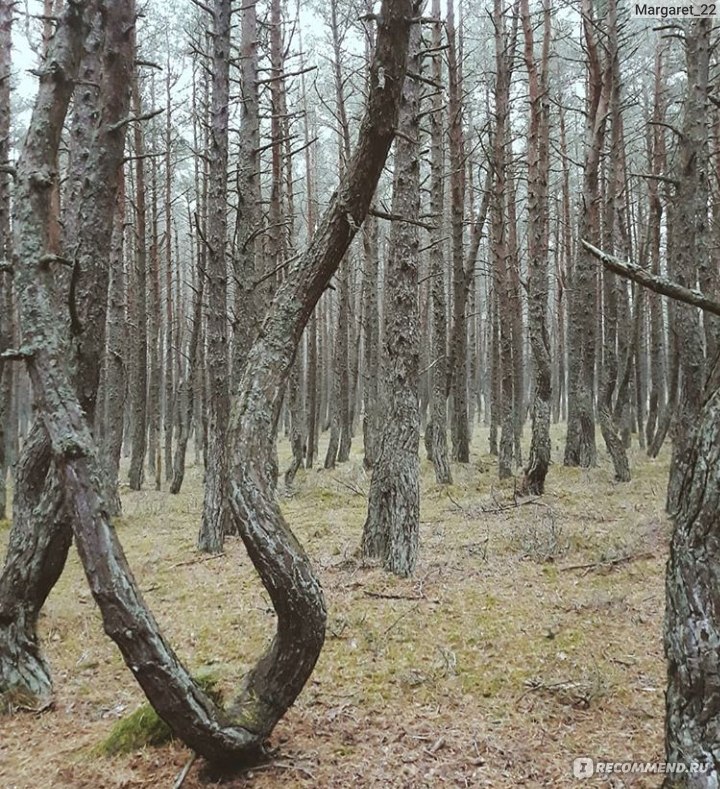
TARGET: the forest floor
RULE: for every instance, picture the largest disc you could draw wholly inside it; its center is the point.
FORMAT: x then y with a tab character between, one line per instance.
531	634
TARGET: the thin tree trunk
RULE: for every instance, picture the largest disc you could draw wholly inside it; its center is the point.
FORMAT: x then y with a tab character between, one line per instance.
580	449
138	369
393	520
216	513
6	301
538	249
437	427
459	428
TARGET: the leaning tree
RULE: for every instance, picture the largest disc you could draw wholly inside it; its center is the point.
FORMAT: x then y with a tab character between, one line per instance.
692	609
235	734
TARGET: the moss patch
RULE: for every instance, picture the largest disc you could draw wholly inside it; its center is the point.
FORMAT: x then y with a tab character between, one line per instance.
145	727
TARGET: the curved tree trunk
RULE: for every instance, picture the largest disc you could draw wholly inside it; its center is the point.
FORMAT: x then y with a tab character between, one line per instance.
41	532
237	734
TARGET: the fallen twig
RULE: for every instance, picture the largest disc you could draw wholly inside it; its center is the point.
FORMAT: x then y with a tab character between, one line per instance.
385	596
183	774
199	559
633	557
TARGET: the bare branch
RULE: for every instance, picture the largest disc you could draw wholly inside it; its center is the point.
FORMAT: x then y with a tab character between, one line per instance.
654	282
145	116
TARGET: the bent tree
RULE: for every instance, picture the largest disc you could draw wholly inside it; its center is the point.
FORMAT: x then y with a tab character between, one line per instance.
41	532
235	734
692	618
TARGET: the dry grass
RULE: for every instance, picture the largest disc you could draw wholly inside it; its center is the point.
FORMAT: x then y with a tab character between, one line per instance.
494	666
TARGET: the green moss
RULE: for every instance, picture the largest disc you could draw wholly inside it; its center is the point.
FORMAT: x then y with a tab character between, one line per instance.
4	524
145	727
142	727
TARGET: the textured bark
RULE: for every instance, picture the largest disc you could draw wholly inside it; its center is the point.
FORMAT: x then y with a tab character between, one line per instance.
501	250
688	246
459	427
372	421
436	430
580	447
614	293
246	309
187	388
340	425
6	308
41	533
393	520
154	402
138	369
657	342
116	359
215	506
238	734
692	632
538	250
312	385
298	427
169	402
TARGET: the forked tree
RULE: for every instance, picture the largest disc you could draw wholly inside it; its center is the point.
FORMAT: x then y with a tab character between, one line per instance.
235	734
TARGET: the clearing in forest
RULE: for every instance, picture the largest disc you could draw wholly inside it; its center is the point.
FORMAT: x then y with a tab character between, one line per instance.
530	634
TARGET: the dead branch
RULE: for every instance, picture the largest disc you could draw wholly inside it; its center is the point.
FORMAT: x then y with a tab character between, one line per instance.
633	557
654	282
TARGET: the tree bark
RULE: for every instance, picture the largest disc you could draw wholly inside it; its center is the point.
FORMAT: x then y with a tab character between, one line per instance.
580	447
236	735
436	430
41	532
6	301
688	246
393	521
538	249
138	369
215	517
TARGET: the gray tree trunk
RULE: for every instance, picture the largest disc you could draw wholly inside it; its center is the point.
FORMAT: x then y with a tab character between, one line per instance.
538	250
436	430
580	448
41	531
393	520
6	302
215	506
688	247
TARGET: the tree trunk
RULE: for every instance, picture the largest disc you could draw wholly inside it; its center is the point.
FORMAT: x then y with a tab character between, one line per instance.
688	247
116	357
393	520
436	430
580	447
138	369
6	302
215	506
245	265
41	532
538	250
692	631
